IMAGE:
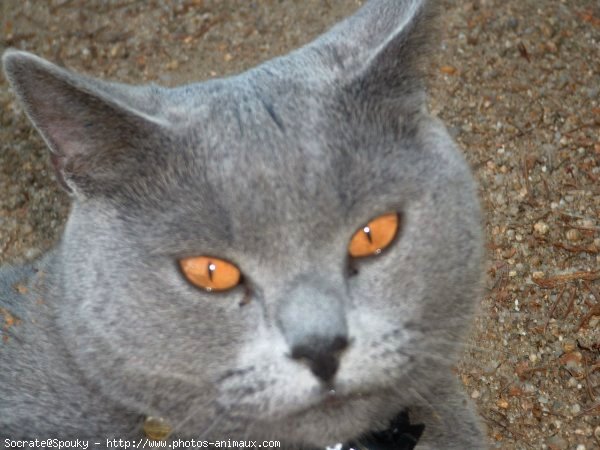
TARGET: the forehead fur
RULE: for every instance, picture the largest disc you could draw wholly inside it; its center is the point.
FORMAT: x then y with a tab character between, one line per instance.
290	140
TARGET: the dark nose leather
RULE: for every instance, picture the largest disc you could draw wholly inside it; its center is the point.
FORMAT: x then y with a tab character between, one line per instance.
322	354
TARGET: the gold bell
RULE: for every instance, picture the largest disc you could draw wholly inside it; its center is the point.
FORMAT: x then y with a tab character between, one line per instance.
156	428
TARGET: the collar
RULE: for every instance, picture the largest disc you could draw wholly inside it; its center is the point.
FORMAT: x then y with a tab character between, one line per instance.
400	435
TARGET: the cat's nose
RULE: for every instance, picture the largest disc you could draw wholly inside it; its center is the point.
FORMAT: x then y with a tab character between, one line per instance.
322	354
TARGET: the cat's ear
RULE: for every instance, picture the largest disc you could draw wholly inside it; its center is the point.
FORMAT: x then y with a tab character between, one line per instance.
380	48
94	129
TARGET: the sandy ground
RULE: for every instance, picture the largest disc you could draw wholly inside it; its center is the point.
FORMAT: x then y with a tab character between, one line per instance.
518	84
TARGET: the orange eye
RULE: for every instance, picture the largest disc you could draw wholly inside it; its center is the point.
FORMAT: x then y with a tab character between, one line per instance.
374	236
212	274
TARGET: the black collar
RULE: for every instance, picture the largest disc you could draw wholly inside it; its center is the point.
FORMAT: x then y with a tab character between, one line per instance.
400	435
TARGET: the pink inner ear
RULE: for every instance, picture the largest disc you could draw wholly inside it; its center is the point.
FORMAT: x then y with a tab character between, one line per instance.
67	136
67	143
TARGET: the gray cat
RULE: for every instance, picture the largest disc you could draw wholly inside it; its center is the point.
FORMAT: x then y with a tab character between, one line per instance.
292	254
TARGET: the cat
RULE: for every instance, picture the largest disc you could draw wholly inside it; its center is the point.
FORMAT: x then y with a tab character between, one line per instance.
293	253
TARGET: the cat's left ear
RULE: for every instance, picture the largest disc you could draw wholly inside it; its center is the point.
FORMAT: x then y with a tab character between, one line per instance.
380	48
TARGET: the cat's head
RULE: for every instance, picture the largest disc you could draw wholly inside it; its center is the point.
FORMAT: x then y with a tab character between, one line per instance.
333	220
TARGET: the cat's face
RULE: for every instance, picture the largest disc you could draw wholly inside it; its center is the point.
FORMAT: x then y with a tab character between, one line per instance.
275	172
282	204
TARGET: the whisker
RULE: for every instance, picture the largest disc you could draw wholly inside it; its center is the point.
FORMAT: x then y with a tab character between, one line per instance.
423	399
194	412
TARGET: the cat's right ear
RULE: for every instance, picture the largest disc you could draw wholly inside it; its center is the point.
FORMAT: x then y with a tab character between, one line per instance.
96	131
380	49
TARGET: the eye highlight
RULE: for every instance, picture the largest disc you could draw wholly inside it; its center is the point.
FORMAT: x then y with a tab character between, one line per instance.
211	274
375	236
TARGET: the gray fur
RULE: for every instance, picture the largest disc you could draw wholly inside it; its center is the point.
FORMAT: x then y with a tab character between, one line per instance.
273	169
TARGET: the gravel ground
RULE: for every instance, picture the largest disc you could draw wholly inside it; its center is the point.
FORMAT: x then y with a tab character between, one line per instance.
518	84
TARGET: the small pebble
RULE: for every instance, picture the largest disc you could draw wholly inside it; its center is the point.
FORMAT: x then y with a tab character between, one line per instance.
573	235
568	345
541	228
491	367
558	443
448	70
172	65
512	23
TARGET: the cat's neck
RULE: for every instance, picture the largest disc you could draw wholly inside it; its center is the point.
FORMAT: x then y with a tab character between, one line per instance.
42	385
